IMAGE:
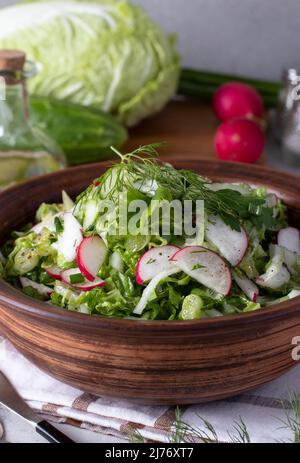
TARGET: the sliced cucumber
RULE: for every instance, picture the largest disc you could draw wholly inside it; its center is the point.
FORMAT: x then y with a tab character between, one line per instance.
191	307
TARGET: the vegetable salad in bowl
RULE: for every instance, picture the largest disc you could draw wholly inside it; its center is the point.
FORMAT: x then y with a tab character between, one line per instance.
239	255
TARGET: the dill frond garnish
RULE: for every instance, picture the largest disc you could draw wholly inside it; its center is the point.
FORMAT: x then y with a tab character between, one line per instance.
141	169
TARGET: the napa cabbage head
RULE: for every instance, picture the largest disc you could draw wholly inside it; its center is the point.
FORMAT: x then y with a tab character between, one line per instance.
103	53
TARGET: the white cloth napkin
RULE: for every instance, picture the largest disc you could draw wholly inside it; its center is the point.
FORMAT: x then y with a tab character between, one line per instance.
261	410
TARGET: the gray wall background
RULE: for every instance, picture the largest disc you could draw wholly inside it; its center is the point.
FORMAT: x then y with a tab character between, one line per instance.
247	37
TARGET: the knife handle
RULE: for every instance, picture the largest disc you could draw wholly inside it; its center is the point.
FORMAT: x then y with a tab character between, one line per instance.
51	434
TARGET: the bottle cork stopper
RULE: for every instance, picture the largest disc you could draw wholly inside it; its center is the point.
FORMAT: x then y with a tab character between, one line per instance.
12	60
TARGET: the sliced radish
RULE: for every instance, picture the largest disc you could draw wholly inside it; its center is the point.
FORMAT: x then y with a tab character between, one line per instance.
151	287
53	272
84	286
43	290
89	285
154	261
232	244
48	222
66	275
91	254
246	285
70	238
205	266
276	275
291	259
289	238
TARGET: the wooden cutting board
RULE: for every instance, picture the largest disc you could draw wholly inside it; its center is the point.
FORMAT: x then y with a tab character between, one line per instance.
187	128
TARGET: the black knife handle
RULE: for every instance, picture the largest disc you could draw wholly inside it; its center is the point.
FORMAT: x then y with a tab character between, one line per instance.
51	434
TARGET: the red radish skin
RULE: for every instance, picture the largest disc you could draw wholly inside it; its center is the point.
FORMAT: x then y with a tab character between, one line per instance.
91	254
247	286
143	274
239	140
235	99
65	275
89	285
138	278
53	272
85	286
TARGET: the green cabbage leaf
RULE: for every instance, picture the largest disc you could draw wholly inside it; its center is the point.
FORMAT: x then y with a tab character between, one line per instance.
103	53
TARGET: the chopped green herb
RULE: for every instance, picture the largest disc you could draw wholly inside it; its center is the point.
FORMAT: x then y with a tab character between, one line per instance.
77	278
198	266
180	294
59	225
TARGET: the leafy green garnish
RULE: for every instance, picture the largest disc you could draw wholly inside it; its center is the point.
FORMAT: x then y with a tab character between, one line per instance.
140	176
59	225
141	170
76	278
198	266
32	292
265	219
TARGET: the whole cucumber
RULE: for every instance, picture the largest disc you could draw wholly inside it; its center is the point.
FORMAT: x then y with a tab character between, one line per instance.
201	85
85	134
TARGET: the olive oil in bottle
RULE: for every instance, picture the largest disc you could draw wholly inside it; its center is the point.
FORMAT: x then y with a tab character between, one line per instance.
25	151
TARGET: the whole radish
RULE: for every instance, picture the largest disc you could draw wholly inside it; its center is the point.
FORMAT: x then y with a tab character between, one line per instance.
239	140
235	99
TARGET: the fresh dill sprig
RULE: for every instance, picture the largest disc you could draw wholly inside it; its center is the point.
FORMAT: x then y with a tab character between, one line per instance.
292	415
136	437
241	434
205	432
141	169
140	152
132	167
185	433
178	434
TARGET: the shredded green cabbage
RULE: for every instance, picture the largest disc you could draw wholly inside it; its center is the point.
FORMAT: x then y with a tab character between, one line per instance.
178	296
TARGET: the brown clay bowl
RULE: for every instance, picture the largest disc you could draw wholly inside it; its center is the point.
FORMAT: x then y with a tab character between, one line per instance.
158	362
